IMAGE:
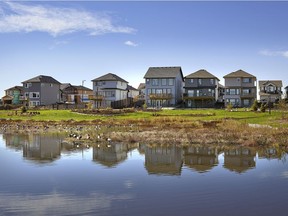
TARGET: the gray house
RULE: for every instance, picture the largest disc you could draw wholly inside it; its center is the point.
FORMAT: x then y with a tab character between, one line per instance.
41	90
201	89
164	86
240	89
107	89
270	90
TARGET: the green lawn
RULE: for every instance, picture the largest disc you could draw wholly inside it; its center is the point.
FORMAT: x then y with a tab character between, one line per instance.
272	119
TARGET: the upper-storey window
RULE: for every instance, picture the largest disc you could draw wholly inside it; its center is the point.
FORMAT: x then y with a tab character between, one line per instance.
164	81
211	81
154	82
170	82
247	80
27	85
191	80
147	81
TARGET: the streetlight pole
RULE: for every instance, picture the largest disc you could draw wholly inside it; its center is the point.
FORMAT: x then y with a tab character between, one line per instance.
82	89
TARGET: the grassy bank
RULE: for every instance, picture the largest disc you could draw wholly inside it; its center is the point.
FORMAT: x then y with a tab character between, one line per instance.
167	126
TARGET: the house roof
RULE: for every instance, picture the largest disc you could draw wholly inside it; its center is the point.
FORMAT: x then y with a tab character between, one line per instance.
109	77
129	87
20	88
239	74
163	72
42	79
203	74
141	86
64	85
277	83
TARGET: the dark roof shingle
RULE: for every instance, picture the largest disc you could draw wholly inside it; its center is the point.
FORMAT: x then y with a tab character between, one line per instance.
203	74
163	72
109	77
239	74
42	79
277	83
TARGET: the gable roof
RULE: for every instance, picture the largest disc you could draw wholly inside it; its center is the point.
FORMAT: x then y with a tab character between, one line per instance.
109	77
129	87
277	83
163	72
239	74
141	86
20	88
42	79
202	74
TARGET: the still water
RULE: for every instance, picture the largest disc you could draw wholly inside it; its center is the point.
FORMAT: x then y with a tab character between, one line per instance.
40	175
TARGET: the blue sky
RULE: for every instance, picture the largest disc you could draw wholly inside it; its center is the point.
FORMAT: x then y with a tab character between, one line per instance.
74	41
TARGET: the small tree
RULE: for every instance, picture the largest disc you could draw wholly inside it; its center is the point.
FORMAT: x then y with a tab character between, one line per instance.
254	106
263	107
282	107
229	106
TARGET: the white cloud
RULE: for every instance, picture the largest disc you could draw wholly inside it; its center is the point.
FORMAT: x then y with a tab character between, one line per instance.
130	43
274	53
16	17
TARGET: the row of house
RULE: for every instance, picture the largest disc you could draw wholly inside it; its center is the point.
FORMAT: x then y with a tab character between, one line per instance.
163	87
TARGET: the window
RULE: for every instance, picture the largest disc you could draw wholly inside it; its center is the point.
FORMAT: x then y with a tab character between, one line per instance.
190	93
153	91
246	91
34	95
270	88
191	80
211	81
164	82
169	91
164	91
147	81
232	91
51	84
158	91
154	82
27	85
246	102
149	91
200	81
170	82
247	80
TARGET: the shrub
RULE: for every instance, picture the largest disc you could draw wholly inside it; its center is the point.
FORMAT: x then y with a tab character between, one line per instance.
23	109
263	107
229	106
254	106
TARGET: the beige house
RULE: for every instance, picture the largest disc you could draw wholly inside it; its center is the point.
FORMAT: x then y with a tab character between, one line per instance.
270	90
240	89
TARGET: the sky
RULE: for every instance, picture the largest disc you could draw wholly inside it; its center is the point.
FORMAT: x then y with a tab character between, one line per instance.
74	41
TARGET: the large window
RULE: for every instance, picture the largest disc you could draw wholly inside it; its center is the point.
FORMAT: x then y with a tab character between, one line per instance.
170	82
34	95
164	82
27	85
190	93
154	82
200	81
246	102
247	80
232	91
211	81
246	91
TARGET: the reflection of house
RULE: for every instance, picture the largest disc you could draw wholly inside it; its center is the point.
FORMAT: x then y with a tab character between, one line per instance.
107	89
240	89
270	90
41	90
166	160
13	95
42	148
164	86
270	153
201	89
110	156
200	158
16	141
239	160
75	94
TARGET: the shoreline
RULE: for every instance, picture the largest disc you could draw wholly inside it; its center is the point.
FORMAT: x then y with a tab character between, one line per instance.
224	132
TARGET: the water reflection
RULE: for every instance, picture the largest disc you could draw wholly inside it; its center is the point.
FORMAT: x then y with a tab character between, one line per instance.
201	158
159	159
166	160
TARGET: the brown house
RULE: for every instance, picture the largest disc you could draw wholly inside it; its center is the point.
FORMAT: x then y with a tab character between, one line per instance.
75	94
270	90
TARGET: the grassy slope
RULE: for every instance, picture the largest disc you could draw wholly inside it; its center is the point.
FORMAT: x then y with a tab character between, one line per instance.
272	119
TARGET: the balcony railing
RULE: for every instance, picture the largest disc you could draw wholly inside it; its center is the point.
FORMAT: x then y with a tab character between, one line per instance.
96	97
199	96
160	96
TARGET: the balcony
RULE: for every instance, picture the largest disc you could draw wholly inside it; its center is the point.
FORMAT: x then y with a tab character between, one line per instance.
96	97
247	95
276	92
160	96
203	96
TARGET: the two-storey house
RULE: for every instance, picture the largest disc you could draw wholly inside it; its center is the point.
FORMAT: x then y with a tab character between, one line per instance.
163	86
41	90
107	89
240	89
13	96
75	94
201	89
270	90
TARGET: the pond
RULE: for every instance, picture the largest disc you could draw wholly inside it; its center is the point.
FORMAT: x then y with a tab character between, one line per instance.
42	175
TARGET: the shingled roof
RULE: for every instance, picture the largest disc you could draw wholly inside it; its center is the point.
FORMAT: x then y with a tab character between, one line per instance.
163	72
109	77
202	74
42	79
239	74
277	83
